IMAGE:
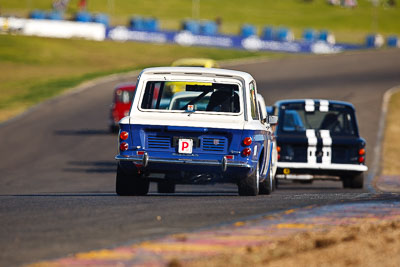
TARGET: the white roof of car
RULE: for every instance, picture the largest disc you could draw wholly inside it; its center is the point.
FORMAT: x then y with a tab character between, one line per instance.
197	71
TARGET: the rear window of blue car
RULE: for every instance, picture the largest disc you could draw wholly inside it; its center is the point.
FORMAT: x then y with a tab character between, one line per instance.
191	96
339	119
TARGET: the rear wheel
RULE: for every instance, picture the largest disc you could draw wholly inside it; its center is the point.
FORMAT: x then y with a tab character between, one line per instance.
268	185
130	183
355	182
248	186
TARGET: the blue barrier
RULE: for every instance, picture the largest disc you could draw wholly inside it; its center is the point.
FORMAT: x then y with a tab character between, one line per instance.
326	36
267	33
309	35
150	24
191	26
186	38
101	18
284	35
374	41
209	28
247	30
55	15
37	14
323	36
393	41
83	16
280	34
136	23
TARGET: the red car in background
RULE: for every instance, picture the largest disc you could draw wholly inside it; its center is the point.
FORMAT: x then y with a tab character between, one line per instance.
122	101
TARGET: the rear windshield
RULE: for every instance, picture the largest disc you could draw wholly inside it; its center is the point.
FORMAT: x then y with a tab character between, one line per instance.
124	96
339	120
191	96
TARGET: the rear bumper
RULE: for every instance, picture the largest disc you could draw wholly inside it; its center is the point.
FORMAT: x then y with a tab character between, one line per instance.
320	166
150	163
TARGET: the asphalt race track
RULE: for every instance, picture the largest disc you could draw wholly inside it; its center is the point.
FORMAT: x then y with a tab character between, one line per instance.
58	172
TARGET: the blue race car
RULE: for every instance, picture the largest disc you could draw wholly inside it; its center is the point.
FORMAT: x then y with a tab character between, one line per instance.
195	125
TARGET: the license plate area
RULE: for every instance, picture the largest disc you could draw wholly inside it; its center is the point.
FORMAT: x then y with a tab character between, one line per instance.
185	144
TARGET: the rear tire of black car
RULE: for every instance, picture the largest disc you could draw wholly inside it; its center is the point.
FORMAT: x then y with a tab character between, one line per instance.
248	186
267	186
346	181
357	181
166	187
354	182
130	183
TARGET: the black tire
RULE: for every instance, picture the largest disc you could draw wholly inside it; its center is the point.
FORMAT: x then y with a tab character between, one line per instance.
268	185
166	187
357	181
354	182
130	184
248	186
346	181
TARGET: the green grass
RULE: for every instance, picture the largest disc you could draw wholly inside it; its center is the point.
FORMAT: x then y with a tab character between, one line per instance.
33	69
348	24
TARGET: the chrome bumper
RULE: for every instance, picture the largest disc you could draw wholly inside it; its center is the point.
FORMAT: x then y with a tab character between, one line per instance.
145	160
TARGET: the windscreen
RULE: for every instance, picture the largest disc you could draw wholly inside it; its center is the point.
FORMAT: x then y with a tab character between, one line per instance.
339	120
124	96
191	96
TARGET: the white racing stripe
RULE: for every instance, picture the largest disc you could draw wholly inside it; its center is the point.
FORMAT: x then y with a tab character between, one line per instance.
310	105
312	146
324	105
326	147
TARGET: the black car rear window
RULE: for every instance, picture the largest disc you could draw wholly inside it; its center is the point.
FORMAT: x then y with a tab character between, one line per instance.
339	120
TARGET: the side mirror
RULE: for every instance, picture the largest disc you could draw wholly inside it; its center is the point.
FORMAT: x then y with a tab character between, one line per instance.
273	120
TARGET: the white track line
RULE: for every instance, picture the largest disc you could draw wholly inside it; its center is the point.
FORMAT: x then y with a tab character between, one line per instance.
376	163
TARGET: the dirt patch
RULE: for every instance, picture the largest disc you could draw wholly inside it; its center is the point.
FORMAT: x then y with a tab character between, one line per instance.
365	244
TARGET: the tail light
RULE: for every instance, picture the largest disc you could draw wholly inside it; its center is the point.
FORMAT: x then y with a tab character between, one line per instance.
123	135
246	152
247	141
123	146
278	149
361	155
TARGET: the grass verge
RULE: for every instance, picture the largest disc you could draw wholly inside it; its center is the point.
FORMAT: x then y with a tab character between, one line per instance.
34	69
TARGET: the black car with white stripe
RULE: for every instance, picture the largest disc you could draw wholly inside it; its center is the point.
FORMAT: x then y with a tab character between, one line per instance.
319	139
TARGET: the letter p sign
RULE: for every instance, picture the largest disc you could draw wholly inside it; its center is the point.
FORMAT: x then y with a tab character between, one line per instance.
185	146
